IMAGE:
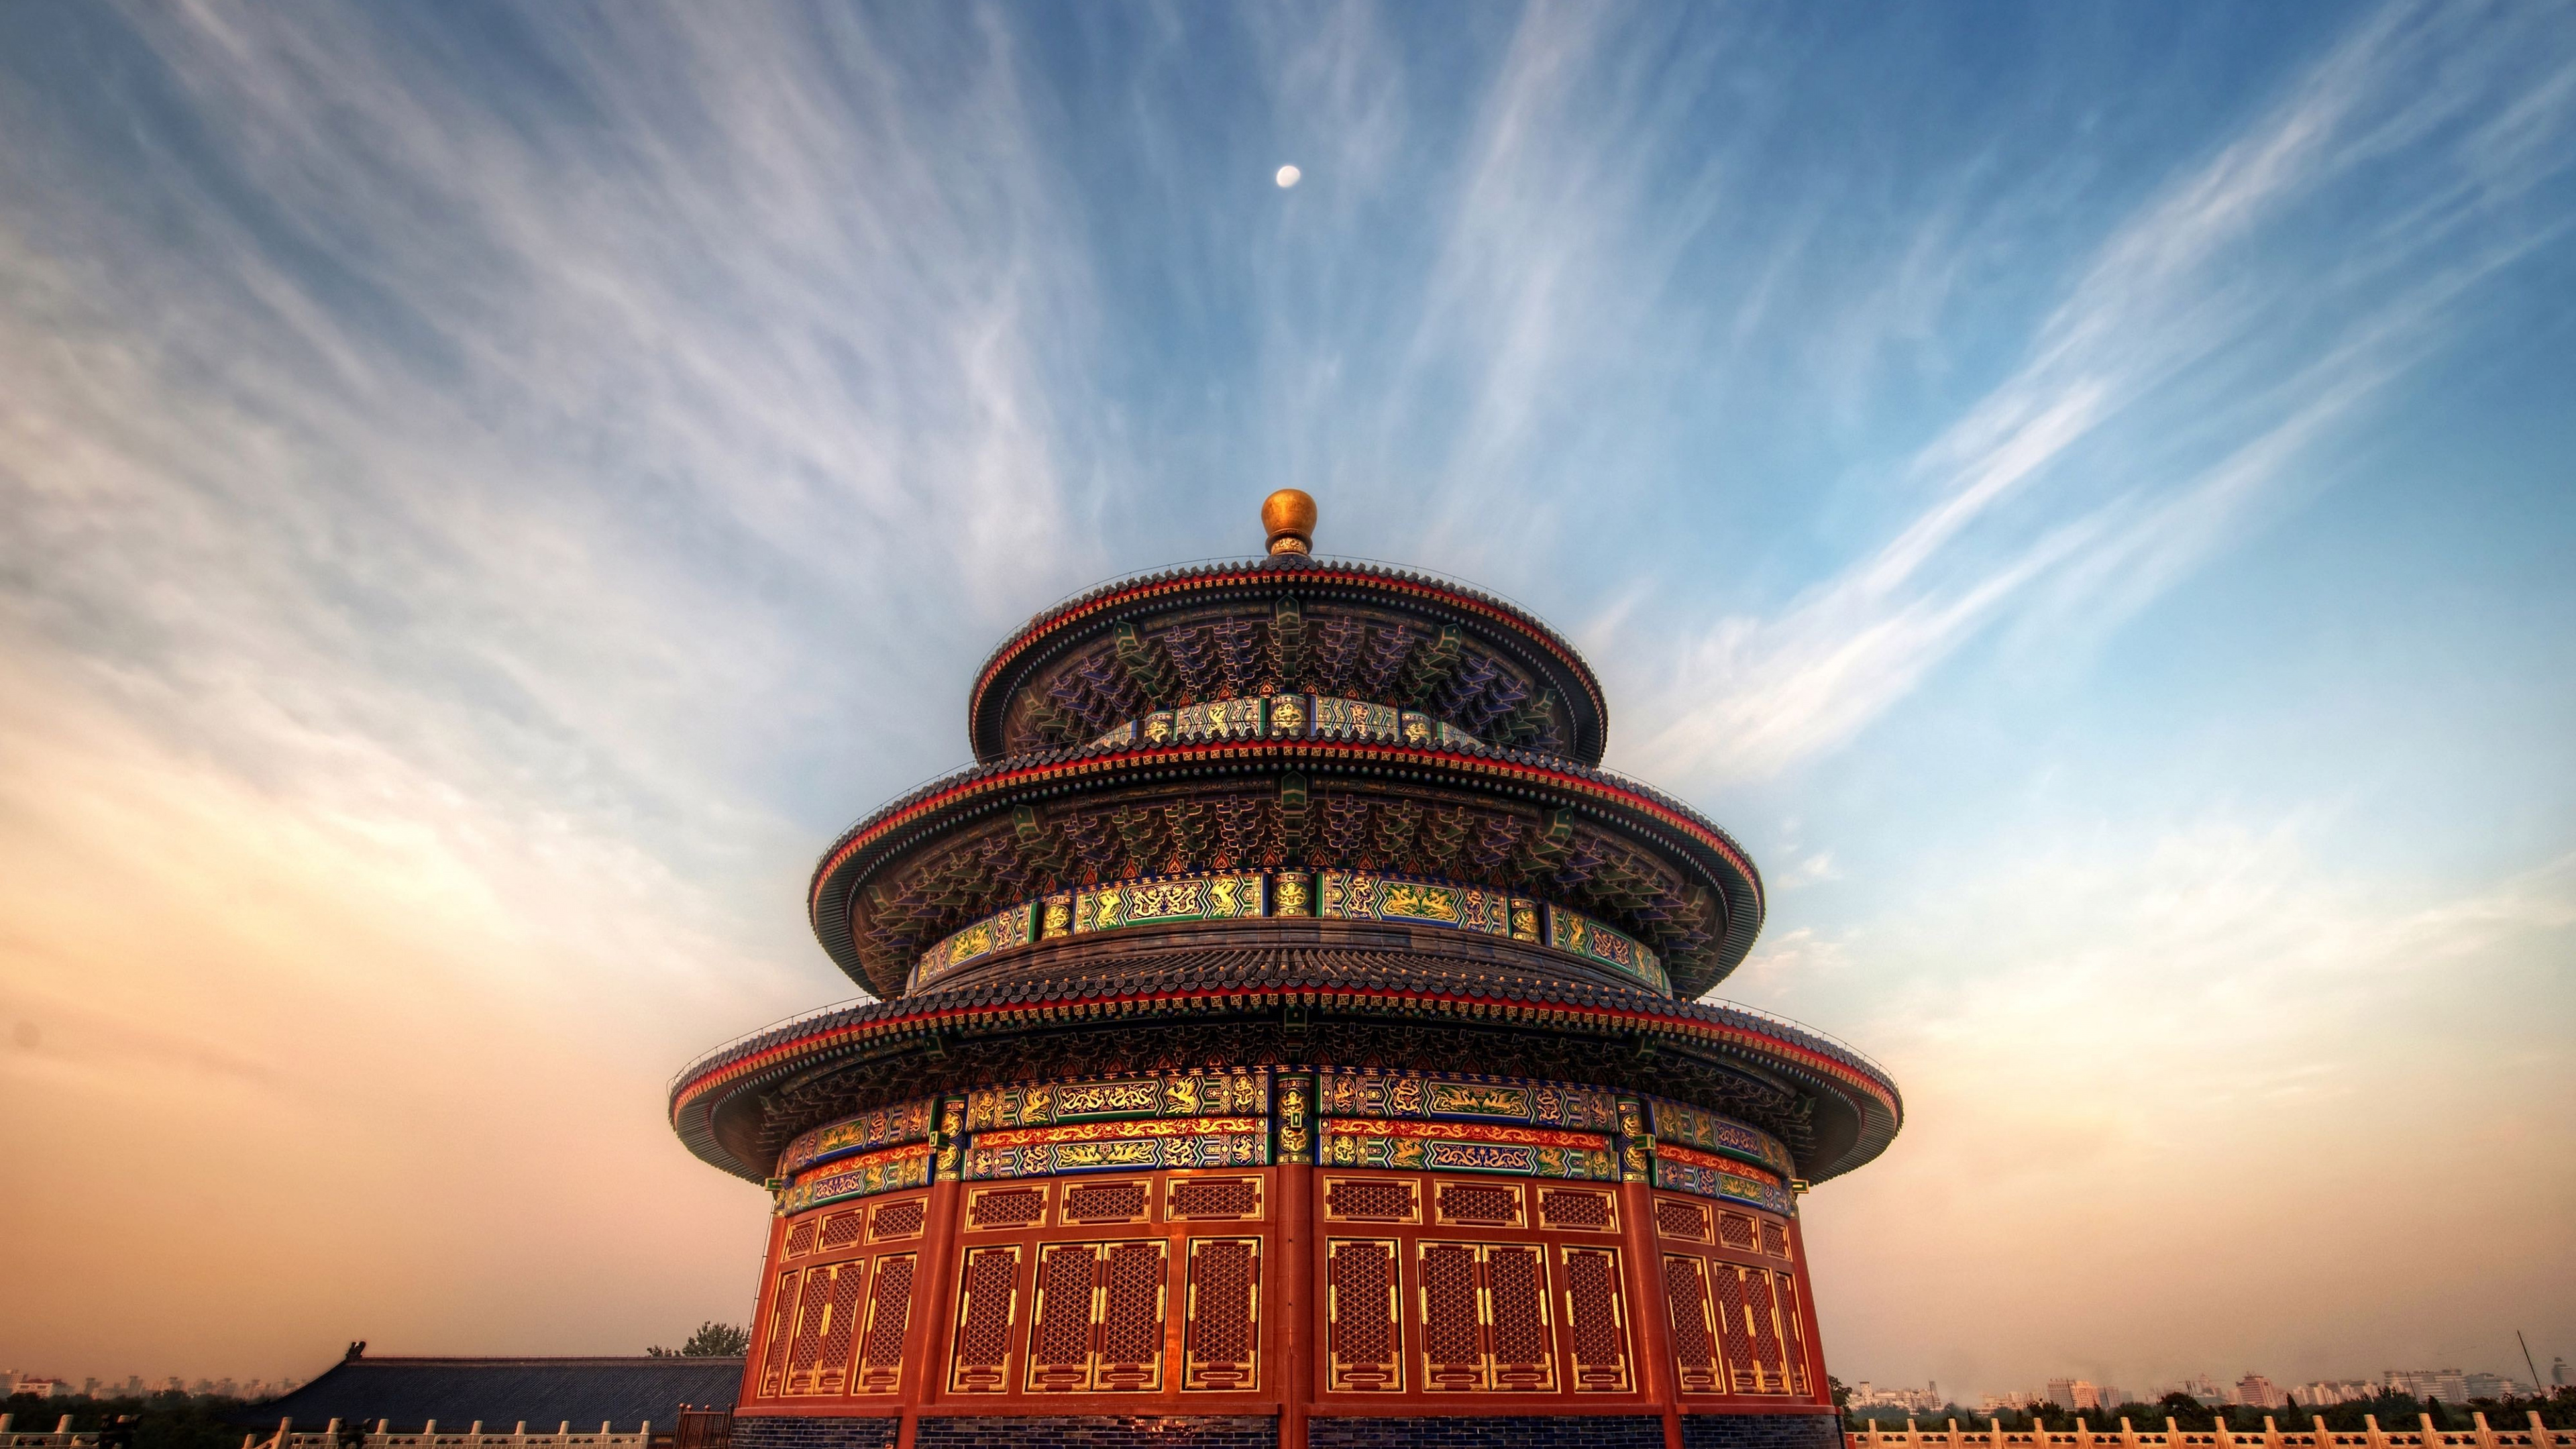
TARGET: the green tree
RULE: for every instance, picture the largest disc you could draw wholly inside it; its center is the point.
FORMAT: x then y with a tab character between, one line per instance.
712	1340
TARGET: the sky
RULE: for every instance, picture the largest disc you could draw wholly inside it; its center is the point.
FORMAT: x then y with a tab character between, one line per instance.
2083	492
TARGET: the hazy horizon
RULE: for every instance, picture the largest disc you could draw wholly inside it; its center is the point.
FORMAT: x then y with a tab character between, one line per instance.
2081	492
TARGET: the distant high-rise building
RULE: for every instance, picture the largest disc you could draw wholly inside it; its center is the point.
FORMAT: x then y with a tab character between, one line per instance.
2558	1373
2450	1385
2110	1397
2075	1394
2256	1391
2489	1386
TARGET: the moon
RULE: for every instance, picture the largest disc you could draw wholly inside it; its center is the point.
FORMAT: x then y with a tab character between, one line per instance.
1288	176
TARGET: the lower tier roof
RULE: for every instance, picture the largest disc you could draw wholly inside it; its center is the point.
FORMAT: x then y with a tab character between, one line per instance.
1342	1002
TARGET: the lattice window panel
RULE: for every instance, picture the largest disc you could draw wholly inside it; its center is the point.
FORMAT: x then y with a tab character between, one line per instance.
782	1322
1452	1350
813	1308
1221	1349
1485	1318
1793	1335
1596	1321
1097	1323
880	1360
1363	1344
840	1230
1775	1240
1105	1202
1573	1209
1231	1199
1371	1200
1695	1345
1735	1230
841	1314
800	1239
1477	1204
897	1220
1677	1219
1735	1329
1520	1336
1005	1207
1763	1313
987	1316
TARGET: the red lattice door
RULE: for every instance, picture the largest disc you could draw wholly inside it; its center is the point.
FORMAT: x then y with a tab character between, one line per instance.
1363	1342
840	1324
1486	1324
782	1322
1695	1339
880	1357
1793	1335
987	1313
1596	1321
1221	1348
1096	1323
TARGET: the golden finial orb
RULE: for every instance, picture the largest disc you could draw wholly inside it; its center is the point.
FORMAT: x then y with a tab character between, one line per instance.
1289	517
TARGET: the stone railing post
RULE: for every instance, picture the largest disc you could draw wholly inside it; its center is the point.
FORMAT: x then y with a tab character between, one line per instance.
1995	1432
2541	1438
2432	1437
2322	1436
1913	1436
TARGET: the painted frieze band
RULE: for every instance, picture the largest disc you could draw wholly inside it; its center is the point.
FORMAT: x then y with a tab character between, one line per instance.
1682	1169
1150	1144
1678	1124
1467	1147
1182	1094
888	1169
1290	717
1342	895
1431	1097
902	1122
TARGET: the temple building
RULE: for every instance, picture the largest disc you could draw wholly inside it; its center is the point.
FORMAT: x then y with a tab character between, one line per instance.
1286	1034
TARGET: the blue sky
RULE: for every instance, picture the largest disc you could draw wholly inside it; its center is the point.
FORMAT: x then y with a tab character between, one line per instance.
2081	491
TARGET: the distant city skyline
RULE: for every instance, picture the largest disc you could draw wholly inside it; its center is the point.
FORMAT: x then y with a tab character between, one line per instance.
2080	492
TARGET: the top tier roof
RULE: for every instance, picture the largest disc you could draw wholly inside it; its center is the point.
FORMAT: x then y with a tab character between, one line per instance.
1288	623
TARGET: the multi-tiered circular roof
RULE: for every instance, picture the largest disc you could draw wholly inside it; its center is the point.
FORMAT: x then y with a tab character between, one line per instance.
1278	810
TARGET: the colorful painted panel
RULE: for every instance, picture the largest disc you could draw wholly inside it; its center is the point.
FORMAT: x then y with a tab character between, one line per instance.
890	1169
1352	719
1118	1147
1232	895
1218	719
1289	717
1583	936
997	932
1468	1147
1190	1094
1724	1136
903	1122
1684	1170
1361	896
1411	1096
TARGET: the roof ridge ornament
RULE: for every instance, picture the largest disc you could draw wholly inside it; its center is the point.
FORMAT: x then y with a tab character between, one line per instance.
1288	517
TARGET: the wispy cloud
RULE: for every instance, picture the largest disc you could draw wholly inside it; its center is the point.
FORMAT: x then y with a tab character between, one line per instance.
2188	371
